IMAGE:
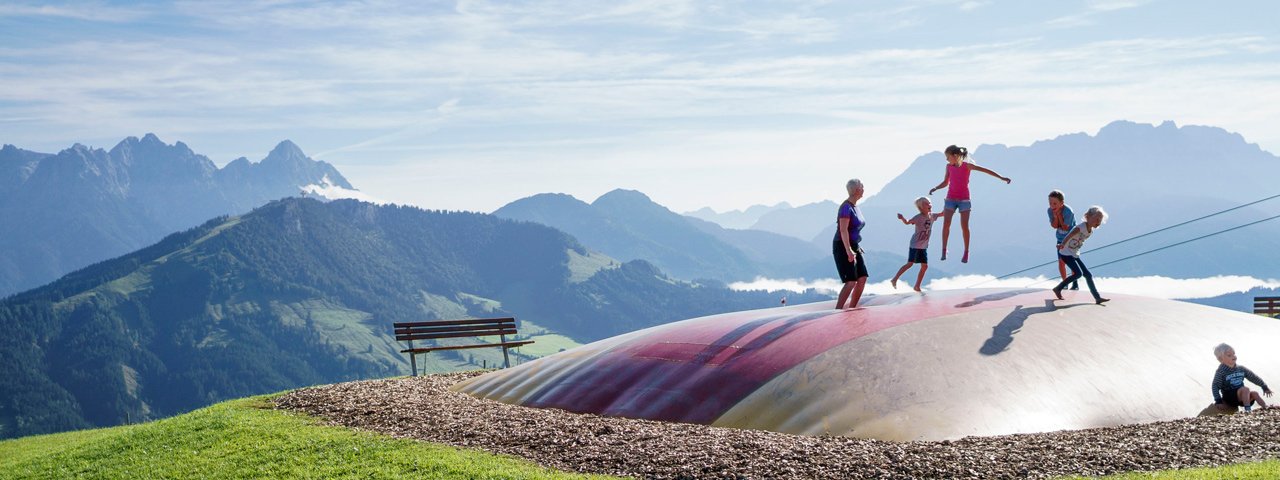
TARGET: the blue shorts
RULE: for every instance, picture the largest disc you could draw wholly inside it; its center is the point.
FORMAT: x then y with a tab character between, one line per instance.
918	255
961	205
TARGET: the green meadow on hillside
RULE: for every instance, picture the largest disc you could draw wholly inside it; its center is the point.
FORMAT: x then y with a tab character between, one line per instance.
247	438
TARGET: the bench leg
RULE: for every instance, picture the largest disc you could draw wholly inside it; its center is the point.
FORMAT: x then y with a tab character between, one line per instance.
413	364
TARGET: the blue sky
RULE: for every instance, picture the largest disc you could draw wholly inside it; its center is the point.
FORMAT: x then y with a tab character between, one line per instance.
472	104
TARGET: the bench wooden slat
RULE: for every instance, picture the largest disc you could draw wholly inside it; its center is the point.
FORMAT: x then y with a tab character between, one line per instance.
431	336
438	329
440	323
1269	306
460	347
465	328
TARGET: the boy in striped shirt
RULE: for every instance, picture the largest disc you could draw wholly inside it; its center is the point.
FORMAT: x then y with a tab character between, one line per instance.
1228	381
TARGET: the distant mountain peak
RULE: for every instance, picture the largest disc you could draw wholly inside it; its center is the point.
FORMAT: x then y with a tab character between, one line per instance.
151	138
1123	127
286	151
622	194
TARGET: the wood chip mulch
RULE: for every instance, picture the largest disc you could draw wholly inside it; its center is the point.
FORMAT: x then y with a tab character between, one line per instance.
424	408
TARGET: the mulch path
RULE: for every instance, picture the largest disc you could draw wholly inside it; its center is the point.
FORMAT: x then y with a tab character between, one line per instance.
424	408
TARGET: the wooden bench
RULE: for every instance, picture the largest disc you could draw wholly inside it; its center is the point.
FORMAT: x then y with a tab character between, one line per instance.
476	327
1269	306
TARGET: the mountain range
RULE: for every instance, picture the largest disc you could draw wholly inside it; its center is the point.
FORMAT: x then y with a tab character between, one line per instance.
628	225
82	205
300	292
1146	176
737	219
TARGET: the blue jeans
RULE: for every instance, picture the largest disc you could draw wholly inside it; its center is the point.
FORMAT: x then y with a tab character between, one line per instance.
1077	270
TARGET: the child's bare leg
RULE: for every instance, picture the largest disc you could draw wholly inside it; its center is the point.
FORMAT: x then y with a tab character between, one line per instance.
946	229
1258	398
1246	396
901	271
964	232
844	295
857	292
920	277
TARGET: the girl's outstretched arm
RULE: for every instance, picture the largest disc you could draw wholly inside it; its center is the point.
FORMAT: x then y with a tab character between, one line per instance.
974	166
946	178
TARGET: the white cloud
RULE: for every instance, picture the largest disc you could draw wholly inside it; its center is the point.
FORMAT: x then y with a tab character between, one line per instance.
326	189
1149	286
1095	8
88	11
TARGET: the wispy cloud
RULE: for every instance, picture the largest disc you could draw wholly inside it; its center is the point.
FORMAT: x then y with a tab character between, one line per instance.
1093	10
87	11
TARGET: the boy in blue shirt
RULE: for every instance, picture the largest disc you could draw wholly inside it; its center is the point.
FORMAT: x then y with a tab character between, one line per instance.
1228	381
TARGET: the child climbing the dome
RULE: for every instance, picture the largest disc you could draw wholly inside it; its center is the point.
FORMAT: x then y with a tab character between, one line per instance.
957	182
918	253
1062	219
1070	252
1228	382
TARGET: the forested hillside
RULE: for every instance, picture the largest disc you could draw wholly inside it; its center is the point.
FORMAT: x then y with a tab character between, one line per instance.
301	292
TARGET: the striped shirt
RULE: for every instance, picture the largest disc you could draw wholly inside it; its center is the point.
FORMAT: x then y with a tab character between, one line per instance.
1227	380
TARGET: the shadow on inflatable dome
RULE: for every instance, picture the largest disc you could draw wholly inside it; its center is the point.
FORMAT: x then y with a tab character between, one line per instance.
942	365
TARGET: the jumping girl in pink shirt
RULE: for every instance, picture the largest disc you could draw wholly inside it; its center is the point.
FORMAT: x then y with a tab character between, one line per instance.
957	182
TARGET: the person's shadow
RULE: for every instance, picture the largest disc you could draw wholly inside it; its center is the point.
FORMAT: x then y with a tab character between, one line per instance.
991	297
1002	333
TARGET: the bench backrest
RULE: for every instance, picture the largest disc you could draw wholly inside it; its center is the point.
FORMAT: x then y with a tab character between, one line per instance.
1269	306
478	327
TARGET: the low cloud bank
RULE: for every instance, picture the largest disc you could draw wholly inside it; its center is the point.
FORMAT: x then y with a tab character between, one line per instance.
328	190
1150	286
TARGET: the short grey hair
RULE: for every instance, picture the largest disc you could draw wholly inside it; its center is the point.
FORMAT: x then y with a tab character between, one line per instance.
852	184
1096	210
1221	350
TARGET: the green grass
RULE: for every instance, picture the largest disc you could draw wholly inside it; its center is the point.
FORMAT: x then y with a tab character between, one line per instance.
248	439
1268	469
548	344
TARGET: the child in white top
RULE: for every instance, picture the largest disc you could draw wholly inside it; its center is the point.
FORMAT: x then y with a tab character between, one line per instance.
918	253
1070	252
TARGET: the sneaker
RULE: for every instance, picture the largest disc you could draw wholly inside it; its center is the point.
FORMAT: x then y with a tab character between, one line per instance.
1075	286
1248	408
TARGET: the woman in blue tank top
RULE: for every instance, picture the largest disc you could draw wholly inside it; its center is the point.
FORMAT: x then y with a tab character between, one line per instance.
844	247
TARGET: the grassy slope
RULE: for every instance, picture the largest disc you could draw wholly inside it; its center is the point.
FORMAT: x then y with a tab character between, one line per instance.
1260	470
246	438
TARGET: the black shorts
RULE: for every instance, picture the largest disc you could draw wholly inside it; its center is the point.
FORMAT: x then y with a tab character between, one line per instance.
848	272
1231	396
918	255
